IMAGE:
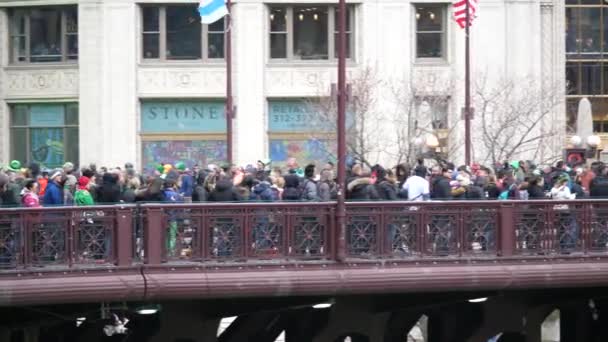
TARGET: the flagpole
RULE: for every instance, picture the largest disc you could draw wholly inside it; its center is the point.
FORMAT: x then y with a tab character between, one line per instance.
229	104
467	89
341	207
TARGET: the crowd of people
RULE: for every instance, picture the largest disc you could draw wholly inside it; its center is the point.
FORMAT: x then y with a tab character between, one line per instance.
33	186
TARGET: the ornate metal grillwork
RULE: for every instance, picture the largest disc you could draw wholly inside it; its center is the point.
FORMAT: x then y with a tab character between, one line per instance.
10	238
181	237
402	235
309	236
361	235
48	242
225	237
599	231
94	237
565	230
442	232
528	230
481	229
266	234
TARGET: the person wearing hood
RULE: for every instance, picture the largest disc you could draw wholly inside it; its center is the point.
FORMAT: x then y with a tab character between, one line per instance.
54	190
328	189
29	196
359	185
262	191
309	186
224	191
83	197
109	192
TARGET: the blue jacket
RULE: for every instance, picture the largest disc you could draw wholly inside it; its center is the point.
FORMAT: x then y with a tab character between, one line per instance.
53	195
187	185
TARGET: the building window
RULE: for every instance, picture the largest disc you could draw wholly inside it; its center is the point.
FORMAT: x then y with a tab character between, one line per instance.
176	33
586	60
44	34
432	112
307	32
44	133
430	31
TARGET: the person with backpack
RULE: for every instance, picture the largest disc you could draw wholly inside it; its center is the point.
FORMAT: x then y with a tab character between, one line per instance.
309	186
327	187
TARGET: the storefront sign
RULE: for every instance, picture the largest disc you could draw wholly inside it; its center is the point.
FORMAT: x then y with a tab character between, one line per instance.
294	116
46	115
183	117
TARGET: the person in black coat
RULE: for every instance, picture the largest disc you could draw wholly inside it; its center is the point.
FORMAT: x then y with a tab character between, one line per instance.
224	191
200	192
386	186
441	189
535	188
109	192
599	185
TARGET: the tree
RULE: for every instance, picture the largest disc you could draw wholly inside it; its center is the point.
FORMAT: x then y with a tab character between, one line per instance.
387	117
512	119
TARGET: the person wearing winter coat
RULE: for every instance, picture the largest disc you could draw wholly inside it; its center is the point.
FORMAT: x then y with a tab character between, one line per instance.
83	196
327	188
54	191
417	187
360	187
224	191
535	188
200	193
29	196
109	192
291	191
309	190
441	189
386	186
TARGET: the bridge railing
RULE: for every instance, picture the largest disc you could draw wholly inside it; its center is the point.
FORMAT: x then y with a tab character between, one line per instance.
156	234
238	231
66	236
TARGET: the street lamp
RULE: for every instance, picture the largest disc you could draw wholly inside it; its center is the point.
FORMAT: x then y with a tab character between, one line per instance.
432	142
594	141
576	141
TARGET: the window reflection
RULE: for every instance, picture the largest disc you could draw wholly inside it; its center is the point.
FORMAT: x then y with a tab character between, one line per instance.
310	33
429	31
45	35
183	33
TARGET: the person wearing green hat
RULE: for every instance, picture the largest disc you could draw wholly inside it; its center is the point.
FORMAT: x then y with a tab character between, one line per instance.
14	166
185	182
180	166
160	169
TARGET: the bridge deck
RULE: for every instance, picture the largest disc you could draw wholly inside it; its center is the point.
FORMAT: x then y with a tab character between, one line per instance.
280	249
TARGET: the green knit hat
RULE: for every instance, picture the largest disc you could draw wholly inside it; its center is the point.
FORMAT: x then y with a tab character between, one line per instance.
15	166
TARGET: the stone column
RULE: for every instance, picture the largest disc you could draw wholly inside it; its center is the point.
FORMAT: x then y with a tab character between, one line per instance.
248	39
4	52
107	56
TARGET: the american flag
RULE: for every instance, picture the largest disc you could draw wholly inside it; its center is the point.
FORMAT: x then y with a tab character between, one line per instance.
460	12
